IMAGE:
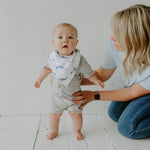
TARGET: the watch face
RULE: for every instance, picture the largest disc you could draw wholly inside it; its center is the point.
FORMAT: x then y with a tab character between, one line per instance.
97	96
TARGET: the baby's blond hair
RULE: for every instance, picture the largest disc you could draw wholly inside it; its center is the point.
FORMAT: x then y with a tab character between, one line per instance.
131	28
68	26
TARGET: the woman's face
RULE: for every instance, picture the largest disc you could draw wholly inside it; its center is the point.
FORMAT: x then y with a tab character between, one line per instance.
116	44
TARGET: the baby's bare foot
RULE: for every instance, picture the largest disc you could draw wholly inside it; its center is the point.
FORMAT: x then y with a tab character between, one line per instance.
79	136
51	135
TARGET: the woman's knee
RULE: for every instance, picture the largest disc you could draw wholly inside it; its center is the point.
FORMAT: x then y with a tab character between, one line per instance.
134	121
126	130
112	115
112	112
115	110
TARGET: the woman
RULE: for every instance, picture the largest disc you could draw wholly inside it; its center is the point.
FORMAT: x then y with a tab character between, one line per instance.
129	51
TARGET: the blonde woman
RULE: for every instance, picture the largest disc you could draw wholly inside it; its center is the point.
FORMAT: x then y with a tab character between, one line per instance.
129	51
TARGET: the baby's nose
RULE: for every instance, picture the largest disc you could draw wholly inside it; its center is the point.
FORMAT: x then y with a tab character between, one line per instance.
65	40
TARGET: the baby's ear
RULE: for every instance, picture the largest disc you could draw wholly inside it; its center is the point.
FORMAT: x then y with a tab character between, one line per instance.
53	42
77	42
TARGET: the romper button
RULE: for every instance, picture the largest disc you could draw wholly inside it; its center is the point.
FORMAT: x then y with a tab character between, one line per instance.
59	86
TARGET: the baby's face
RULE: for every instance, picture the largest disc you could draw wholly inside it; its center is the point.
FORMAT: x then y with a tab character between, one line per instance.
65	40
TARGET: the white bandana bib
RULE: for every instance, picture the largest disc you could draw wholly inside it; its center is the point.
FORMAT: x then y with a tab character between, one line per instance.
64	67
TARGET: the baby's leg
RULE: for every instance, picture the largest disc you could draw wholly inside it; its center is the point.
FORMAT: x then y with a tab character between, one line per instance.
54	125
77	124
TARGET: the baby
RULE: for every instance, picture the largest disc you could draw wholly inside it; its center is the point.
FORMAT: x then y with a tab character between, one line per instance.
67	67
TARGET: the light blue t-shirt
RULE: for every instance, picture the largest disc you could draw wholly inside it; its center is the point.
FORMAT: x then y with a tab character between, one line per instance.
113	58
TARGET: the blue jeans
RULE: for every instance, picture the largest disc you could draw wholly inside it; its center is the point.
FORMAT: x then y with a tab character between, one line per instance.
132	117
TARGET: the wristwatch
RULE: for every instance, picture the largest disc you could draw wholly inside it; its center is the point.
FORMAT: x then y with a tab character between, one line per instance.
97	96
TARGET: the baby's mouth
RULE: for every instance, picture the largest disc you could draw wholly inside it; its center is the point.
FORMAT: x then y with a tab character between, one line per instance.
65	46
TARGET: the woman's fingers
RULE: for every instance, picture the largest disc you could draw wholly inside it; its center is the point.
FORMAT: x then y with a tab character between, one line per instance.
81	101
83	97
77	98
88	95
83	105
77	93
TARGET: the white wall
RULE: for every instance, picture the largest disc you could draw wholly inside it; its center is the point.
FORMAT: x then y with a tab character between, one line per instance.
25	42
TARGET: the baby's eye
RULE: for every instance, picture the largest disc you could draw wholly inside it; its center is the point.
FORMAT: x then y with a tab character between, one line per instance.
60	37
70	37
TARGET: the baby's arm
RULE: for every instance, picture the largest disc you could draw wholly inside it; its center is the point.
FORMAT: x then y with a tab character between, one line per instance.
43	74
95	79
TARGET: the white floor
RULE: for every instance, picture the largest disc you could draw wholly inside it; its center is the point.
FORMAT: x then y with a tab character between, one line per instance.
28	133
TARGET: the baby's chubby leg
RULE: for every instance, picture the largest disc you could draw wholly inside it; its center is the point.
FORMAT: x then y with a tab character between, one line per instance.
77	124
54	125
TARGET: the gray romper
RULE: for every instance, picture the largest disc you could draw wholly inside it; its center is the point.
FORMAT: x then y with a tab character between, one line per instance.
61	96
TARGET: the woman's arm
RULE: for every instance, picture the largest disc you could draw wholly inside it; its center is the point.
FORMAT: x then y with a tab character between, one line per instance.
102	73
125	94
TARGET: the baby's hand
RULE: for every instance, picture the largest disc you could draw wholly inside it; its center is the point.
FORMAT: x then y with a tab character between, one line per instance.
37	84
99	83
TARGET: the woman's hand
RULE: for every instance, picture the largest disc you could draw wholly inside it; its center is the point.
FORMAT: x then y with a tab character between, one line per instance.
83	97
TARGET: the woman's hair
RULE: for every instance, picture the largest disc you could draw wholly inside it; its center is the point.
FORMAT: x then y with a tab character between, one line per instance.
131	28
